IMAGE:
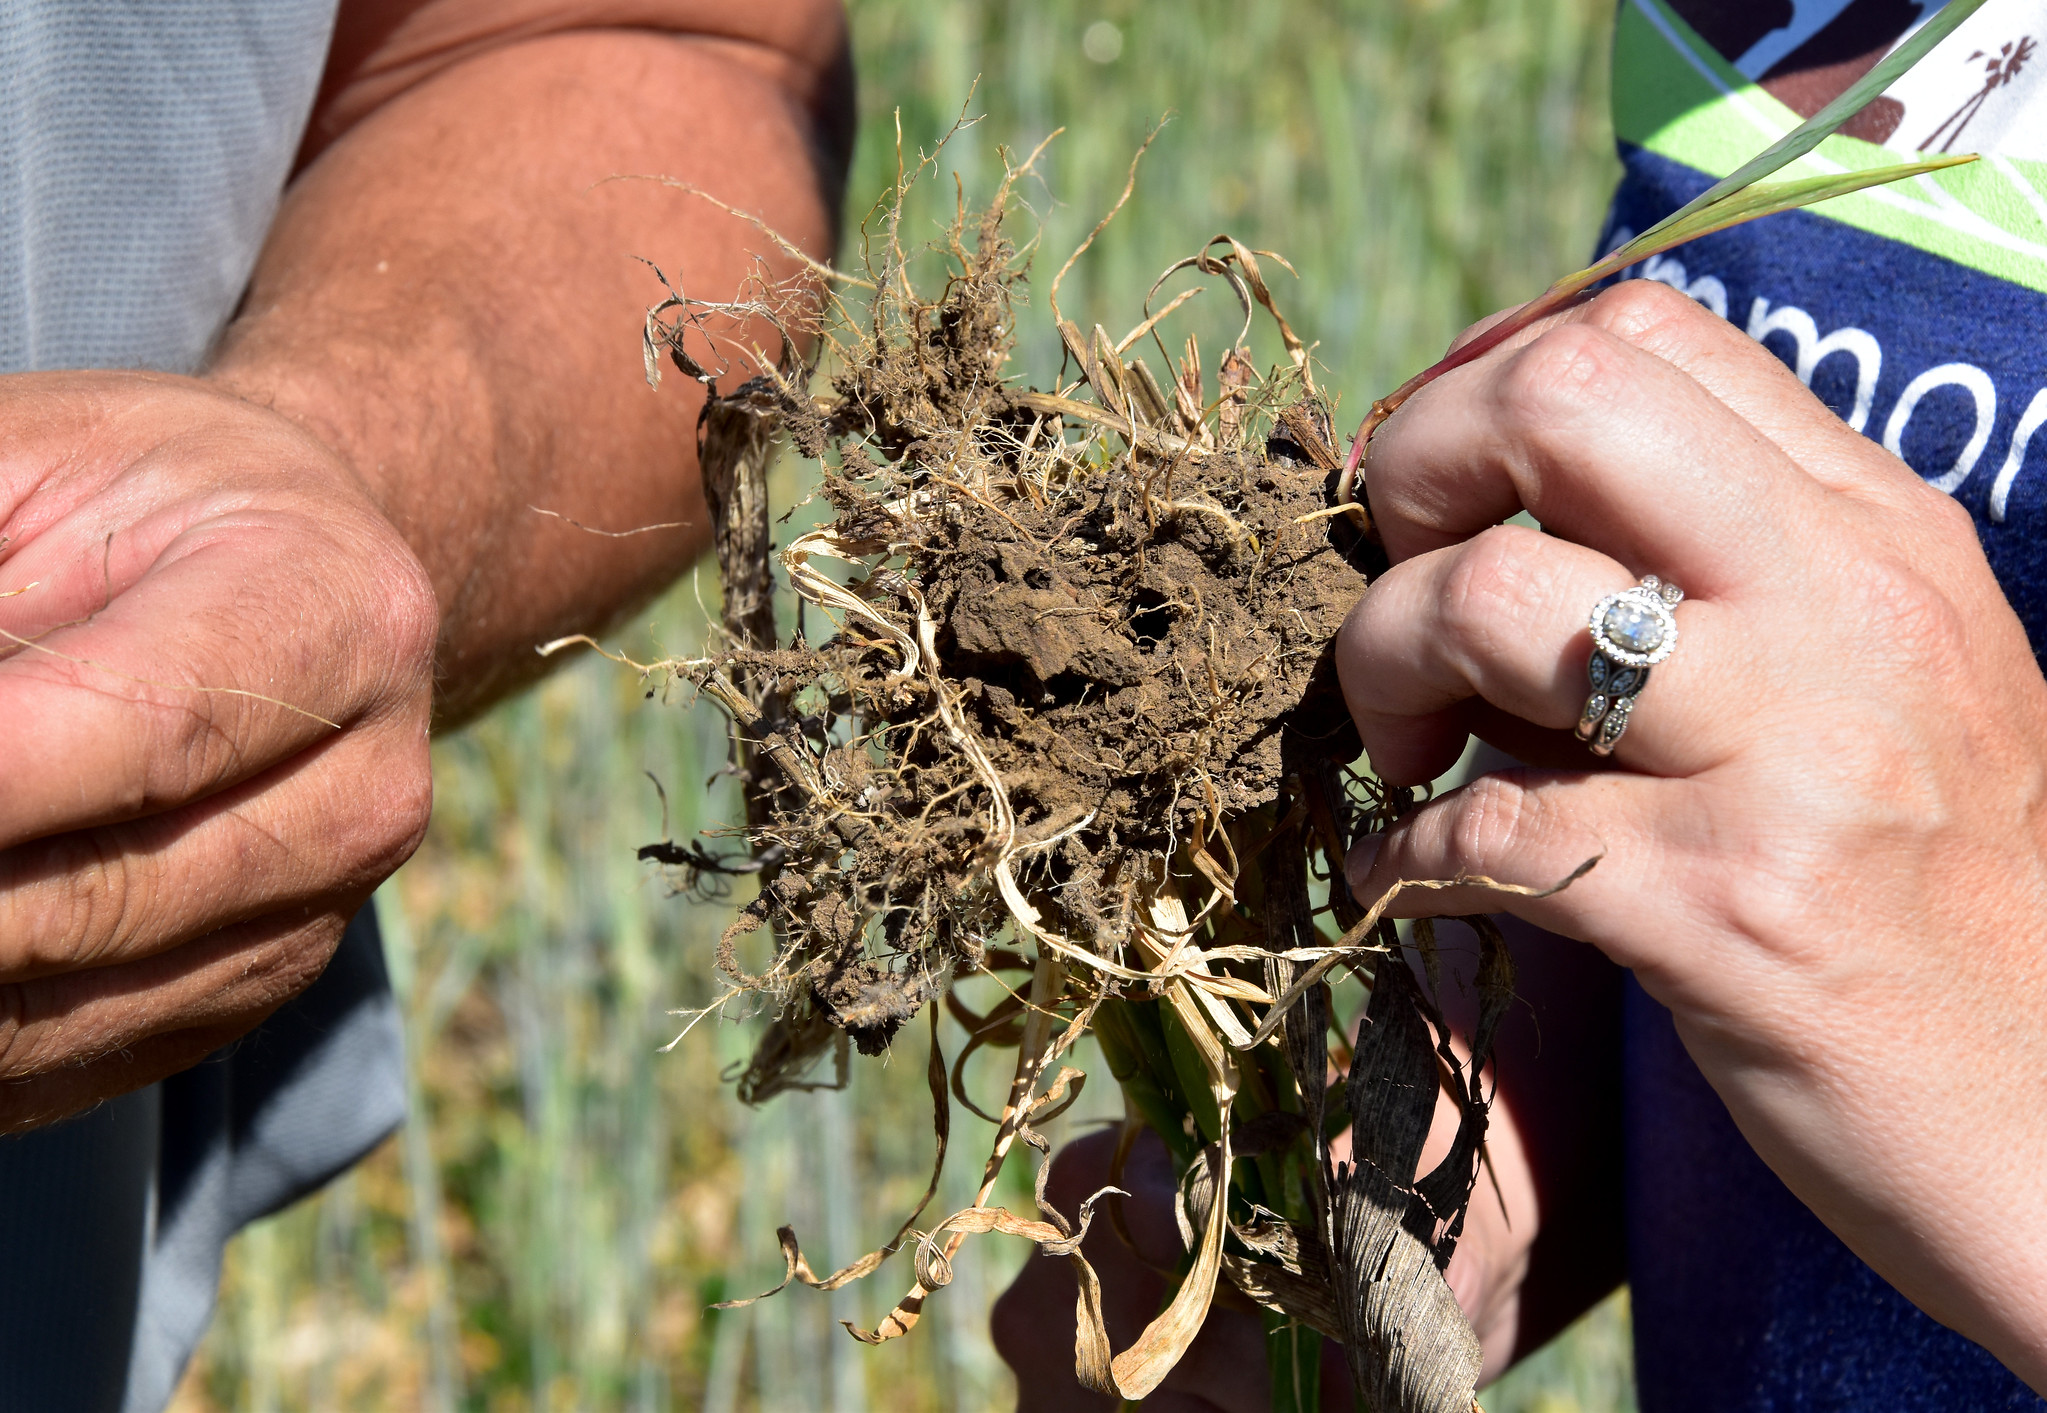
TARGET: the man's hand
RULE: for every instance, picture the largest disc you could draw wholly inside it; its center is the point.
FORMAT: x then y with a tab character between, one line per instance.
217	745
1826	850
217	671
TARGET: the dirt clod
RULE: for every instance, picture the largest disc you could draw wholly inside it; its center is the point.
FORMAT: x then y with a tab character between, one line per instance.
1073	693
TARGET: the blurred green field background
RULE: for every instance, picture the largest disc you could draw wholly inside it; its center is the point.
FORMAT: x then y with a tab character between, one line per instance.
548	1231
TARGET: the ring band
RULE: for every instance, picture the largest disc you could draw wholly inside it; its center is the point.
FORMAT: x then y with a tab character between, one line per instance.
1632	631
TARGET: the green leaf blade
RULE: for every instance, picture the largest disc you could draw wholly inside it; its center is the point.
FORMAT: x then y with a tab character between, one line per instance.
1756	201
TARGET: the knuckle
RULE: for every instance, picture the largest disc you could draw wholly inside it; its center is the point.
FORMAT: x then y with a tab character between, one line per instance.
1781	895
282	971
1359	652
105	905
405	627
377	602
249	971
1642	311
1488	587
407	610
1557	379
1360	628
1917	626
195	737
15	1043
1492	817
1950	522
377	829
414	613
407	806
1355	630
70	901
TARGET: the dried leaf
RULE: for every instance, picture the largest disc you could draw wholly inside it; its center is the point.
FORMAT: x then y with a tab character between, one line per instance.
797	1266
1235	375
1307	1298
1247	258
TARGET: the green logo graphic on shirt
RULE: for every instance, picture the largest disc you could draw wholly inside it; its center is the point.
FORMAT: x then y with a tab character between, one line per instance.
1710	84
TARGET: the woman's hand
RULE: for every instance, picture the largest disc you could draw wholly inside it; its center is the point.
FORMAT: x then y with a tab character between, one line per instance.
1826	849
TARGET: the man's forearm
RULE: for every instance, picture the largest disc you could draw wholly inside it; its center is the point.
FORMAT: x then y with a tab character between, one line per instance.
449	298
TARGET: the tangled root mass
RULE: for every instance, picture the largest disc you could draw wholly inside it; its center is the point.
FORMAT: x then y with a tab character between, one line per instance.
1124	637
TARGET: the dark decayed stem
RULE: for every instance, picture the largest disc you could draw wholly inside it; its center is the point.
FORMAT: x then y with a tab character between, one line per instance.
735	443
736	438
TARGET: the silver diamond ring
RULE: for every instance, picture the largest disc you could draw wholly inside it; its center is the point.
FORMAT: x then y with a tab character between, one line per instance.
1632	631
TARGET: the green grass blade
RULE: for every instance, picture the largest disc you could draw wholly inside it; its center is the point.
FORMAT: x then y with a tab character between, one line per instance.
1749	204
1814	130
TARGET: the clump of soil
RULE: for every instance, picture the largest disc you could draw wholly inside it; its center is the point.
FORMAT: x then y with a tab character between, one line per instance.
1081	656
1072	709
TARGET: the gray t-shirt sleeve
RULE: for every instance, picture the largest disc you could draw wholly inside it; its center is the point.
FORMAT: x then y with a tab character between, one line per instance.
143	147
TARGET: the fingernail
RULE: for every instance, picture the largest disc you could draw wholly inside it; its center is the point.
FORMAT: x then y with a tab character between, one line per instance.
1357	865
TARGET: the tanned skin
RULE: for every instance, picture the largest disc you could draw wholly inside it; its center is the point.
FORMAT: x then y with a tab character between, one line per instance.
442	332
